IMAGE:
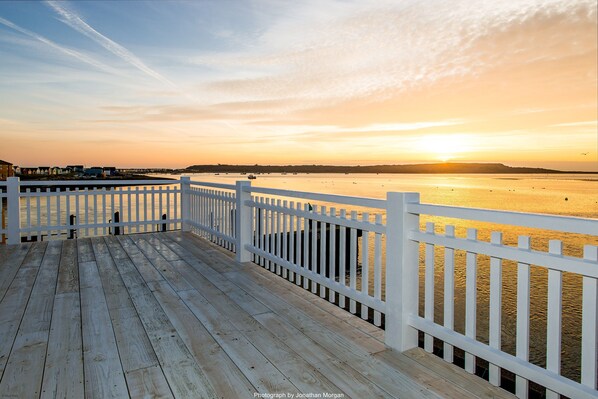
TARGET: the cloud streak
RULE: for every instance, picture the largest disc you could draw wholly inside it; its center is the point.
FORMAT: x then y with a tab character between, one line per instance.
77	23
65	50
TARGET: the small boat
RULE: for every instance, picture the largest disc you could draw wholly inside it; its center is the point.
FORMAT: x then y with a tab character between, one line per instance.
251	177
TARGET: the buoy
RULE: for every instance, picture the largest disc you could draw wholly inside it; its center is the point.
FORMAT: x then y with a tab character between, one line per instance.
566	199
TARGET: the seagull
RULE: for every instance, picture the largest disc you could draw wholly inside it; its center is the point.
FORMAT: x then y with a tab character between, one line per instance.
584	153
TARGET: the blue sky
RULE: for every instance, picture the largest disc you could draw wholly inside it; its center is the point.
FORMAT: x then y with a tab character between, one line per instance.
173	83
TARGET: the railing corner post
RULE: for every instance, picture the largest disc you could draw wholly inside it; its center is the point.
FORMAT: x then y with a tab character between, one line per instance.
185	203
402	271
243	222
14	211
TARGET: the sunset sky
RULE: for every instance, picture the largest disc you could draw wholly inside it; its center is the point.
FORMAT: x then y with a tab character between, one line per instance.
171	84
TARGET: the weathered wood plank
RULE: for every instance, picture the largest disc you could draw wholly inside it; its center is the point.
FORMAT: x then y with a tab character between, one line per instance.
264	376
63	373
334	340
68	272
161	264
104	376
226	378
143	265
245	300
350	381
84	250
134	347
456	376
148	382
23	373
183	374
10	262
12	309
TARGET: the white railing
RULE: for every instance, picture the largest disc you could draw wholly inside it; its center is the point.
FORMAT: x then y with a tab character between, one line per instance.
490	258
211	211
446	274
39	210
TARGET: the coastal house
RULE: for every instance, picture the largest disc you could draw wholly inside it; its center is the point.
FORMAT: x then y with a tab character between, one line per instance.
43	170
5	170
75	168
29	170
110	171
94	171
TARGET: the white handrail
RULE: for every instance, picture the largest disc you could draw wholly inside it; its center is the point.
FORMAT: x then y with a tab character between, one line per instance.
565	224
339	199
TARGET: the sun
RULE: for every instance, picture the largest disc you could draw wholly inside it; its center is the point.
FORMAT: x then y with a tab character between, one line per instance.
444	147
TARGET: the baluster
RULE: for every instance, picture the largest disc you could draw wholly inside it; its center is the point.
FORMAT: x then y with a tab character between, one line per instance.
292	239
470	299
332	260
495	315
285	233
299	259
353	263
378	270
306	246
314	249
365	265
523	296
342	255
553	316
449	291
95	211
323	244
429	288
589	323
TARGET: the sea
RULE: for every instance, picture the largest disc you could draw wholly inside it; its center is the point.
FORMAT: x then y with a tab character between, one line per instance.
557	194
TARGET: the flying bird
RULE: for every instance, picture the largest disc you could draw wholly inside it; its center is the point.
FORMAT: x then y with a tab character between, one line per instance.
584	153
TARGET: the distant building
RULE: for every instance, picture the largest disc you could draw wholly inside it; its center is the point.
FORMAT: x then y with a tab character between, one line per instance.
75	168
95	171
57	170
43	170
29	171
5	170
110	171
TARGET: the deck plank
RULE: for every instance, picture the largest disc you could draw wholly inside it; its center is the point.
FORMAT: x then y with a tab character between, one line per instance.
10	262
264	376
227	379
68	272
170	315
260	336
335	341
63	374
184	376
104	376
24	370
135	350
14	302
161	264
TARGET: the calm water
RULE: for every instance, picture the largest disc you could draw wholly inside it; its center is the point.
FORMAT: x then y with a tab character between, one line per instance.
570	195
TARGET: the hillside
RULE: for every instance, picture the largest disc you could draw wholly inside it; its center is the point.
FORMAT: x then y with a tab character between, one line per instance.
459	168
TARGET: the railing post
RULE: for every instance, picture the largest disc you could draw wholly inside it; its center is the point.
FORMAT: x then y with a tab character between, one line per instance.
402	271
185	203
13	211
243	222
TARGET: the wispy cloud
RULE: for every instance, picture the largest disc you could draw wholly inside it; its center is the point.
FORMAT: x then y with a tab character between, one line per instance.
65	50
77	23
577	124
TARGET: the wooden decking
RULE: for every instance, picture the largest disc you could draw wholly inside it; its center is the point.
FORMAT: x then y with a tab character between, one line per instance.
169	315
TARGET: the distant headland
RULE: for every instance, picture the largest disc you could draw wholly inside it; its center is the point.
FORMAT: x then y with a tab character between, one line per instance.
449	167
